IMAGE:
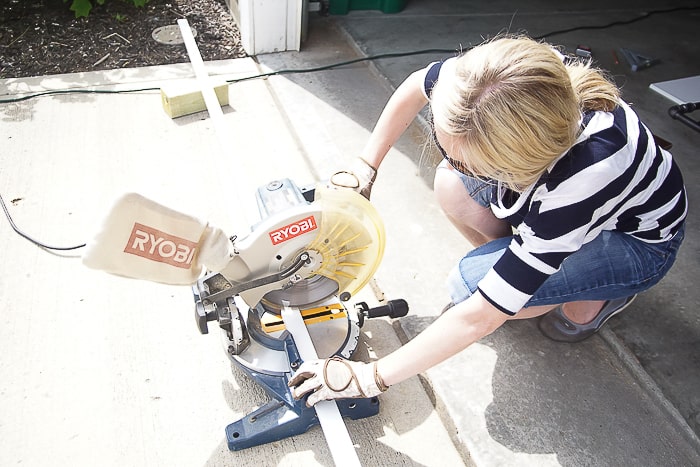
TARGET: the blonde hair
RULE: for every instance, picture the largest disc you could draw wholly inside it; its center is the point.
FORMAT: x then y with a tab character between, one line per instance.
512	107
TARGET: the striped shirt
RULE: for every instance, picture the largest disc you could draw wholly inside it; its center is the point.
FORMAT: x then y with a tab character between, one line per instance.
614	178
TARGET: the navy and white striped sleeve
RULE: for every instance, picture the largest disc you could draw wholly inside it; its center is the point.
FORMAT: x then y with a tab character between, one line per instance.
431	73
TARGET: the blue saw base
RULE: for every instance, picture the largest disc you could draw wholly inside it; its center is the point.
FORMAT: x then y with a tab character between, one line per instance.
284	416
277	420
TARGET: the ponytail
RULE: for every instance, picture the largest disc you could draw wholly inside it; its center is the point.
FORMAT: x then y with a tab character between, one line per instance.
593	90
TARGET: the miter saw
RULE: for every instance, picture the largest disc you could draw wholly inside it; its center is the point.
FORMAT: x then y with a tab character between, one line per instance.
313	249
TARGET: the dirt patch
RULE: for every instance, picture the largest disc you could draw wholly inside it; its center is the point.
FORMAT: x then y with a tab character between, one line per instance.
43	37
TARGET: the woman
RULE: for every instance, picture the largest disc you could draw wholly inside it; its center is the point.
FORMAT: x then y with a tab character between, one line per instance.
572	207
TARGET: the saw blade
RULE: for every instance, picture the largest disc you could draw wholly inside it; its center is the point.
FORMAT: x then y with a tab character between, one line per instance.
302	294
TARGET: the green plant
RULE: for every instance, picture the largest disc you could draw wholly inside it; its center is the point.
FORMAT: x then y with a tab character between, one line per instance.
83	7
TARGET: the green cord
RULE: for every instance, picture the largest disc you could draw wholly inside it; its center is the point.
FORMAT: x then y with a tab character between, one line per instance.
361	59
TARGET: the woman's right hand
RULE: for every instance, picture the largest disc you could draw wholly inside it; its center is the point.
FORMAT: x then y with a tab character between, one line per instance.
358	177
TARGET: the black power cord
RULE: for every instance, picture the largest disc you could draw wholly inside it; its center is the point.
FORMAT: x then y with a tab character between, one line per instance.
33	240
293	71
331	66
643	16
72	91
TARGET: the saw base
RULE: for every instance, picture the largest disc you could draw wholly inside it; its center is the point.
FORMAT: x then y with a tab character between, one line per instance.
283	416
276	420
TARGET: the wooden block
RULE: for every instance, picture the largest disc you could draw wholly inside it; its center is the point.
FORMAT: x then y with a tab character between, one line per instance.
184	97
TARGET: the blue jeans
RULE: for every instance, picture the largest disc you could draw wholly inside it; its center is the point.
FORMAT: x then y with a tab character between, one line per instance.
613	265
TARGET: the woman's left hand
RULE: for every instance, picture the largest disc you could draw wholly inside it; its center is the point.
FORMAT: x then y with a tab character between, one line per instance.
336	378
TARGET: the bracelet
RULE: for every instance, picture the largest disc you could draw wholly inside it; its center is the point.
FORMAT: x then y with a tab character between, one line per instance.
378	379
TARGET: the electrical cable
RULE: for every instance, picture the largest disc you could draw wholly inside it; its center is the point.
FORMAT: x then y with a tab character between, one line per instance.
429	51
73	91
33	240
247	78
291	71
619	22
308	70
361	59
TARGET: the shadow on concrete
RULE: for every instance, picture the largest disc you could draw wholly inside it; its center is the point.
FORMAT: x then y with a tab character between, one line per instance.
552	400
365	433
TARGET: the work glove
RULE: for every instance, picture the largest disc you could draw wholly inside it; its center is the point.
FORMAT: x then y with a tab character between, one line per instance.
336	378
359	177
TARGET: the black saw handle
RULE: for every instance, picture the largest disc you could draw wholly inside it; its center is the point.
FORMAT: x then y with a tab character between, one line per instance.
393	309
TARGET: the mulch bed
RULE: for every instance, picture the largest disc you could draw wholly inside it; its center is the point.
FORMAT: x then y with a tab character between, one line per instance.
43	37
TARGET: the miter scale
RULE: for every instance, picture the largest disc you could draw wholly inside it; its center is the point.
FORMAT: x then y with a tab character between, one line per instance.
313	249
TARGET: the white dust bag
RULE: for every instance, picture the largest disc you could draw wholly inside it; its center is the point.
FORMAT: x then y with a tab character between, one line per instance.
142	239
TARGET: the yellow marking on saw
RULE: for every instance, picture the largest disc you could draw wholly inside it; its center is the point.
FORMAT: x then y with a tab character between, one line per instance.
337	234
323	240
310	316
356	250
348	241
338	272
352	265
